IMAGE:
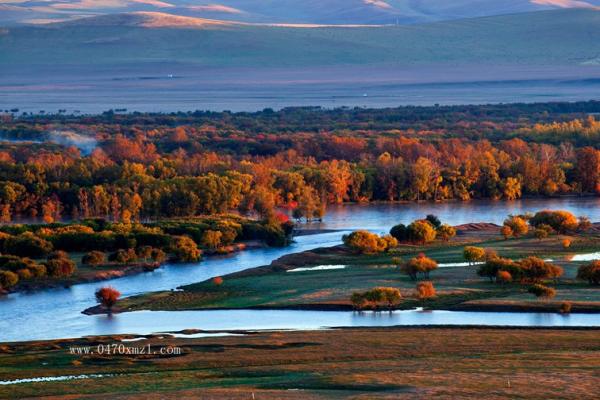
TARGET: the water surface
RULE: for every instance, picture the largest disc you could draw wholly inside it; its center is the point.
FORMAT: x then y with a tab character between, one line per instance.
57	313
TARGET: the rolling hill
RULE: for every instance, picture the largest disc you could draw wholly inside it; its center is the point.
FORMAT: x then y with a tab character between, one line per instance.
283	11
559	37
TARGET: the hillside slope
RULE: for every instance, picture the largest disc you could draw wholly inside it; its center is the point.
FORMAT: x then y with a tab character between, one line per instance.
562	37
284	11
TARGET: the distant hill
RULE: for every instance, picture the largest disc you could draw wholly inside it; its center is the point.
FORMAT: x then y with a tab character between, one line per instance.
559	37
284	11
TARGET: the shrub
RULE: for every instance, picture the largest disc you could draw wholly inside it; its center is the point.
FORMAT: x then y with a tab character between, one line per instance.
152	239
421	232
536	269
158	255
590	272
474	254
540	233
518	225
388	242
546	228
446	232
211	239
400	232
8	279
542	291
38	270
425	290
144	252
419	265
565	307
503	277
490	255
60	267
186	250
27	245
584	224
358	300
387	295
24	274
493	266
433	220
14	263
94	258
390	295
122	256
560	221
369	243
506	231
107	296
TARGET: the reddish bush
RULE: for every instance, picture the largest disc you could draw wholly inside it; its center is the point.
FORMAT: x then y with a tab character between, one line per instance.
503	277
425	290
107	296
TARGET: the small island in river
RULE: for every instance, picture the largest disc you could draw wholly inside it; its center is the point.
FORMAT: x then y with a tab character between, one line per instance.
481	267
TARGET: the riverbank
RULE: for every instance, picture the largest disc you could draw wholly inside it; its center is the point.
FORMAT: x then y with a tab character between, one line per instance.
109	271
406	363
323	279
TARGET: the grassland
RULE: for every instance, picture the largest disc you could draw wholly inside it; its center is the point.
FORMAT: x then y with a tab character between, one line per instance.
392	363
562	37
458	288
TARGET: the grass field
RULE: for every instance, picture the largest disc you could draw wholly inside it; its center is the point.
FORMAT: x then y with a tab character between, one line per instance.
340	364
561	37
274	286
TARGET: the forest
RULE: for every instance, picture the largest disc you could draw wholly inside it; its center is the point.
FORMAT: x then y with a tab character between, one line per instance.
129	167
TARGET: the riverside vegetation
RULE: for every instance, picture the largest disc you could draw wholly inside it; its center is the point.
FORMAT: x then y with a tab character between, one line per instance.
477	269
41	255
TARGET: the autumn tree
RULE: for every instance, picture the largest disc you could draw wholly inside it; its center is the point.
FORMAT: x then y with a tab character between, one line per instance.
60	267
186	250
445	232
425	290
590	272
94	258
503	277
421	231
369	243
473	254
518	225
419	265
107	296
587	169
560	221
542	291
211	239
8	279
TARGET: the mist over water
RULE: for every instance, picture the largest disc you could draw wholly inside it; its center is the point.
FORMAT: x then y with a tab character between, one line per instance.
85	144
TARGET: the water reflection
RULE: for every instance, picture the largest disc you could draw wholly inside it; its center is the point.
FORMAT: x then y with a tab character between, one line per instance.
382	217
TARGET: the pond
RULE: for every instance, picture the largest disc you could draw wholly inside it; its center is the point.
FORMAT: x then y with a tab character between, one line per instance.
57	313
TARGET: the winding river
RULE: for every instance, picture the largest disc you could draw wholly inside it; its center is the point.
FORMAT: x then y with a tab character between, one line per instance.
56	313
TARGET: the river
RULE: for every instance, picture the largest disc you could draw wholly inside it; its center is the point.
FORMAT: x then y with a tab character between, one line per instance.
56	313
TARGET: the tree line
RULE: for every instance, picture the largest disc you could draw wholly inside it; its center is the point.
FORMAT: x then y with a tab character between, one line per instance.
148	166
